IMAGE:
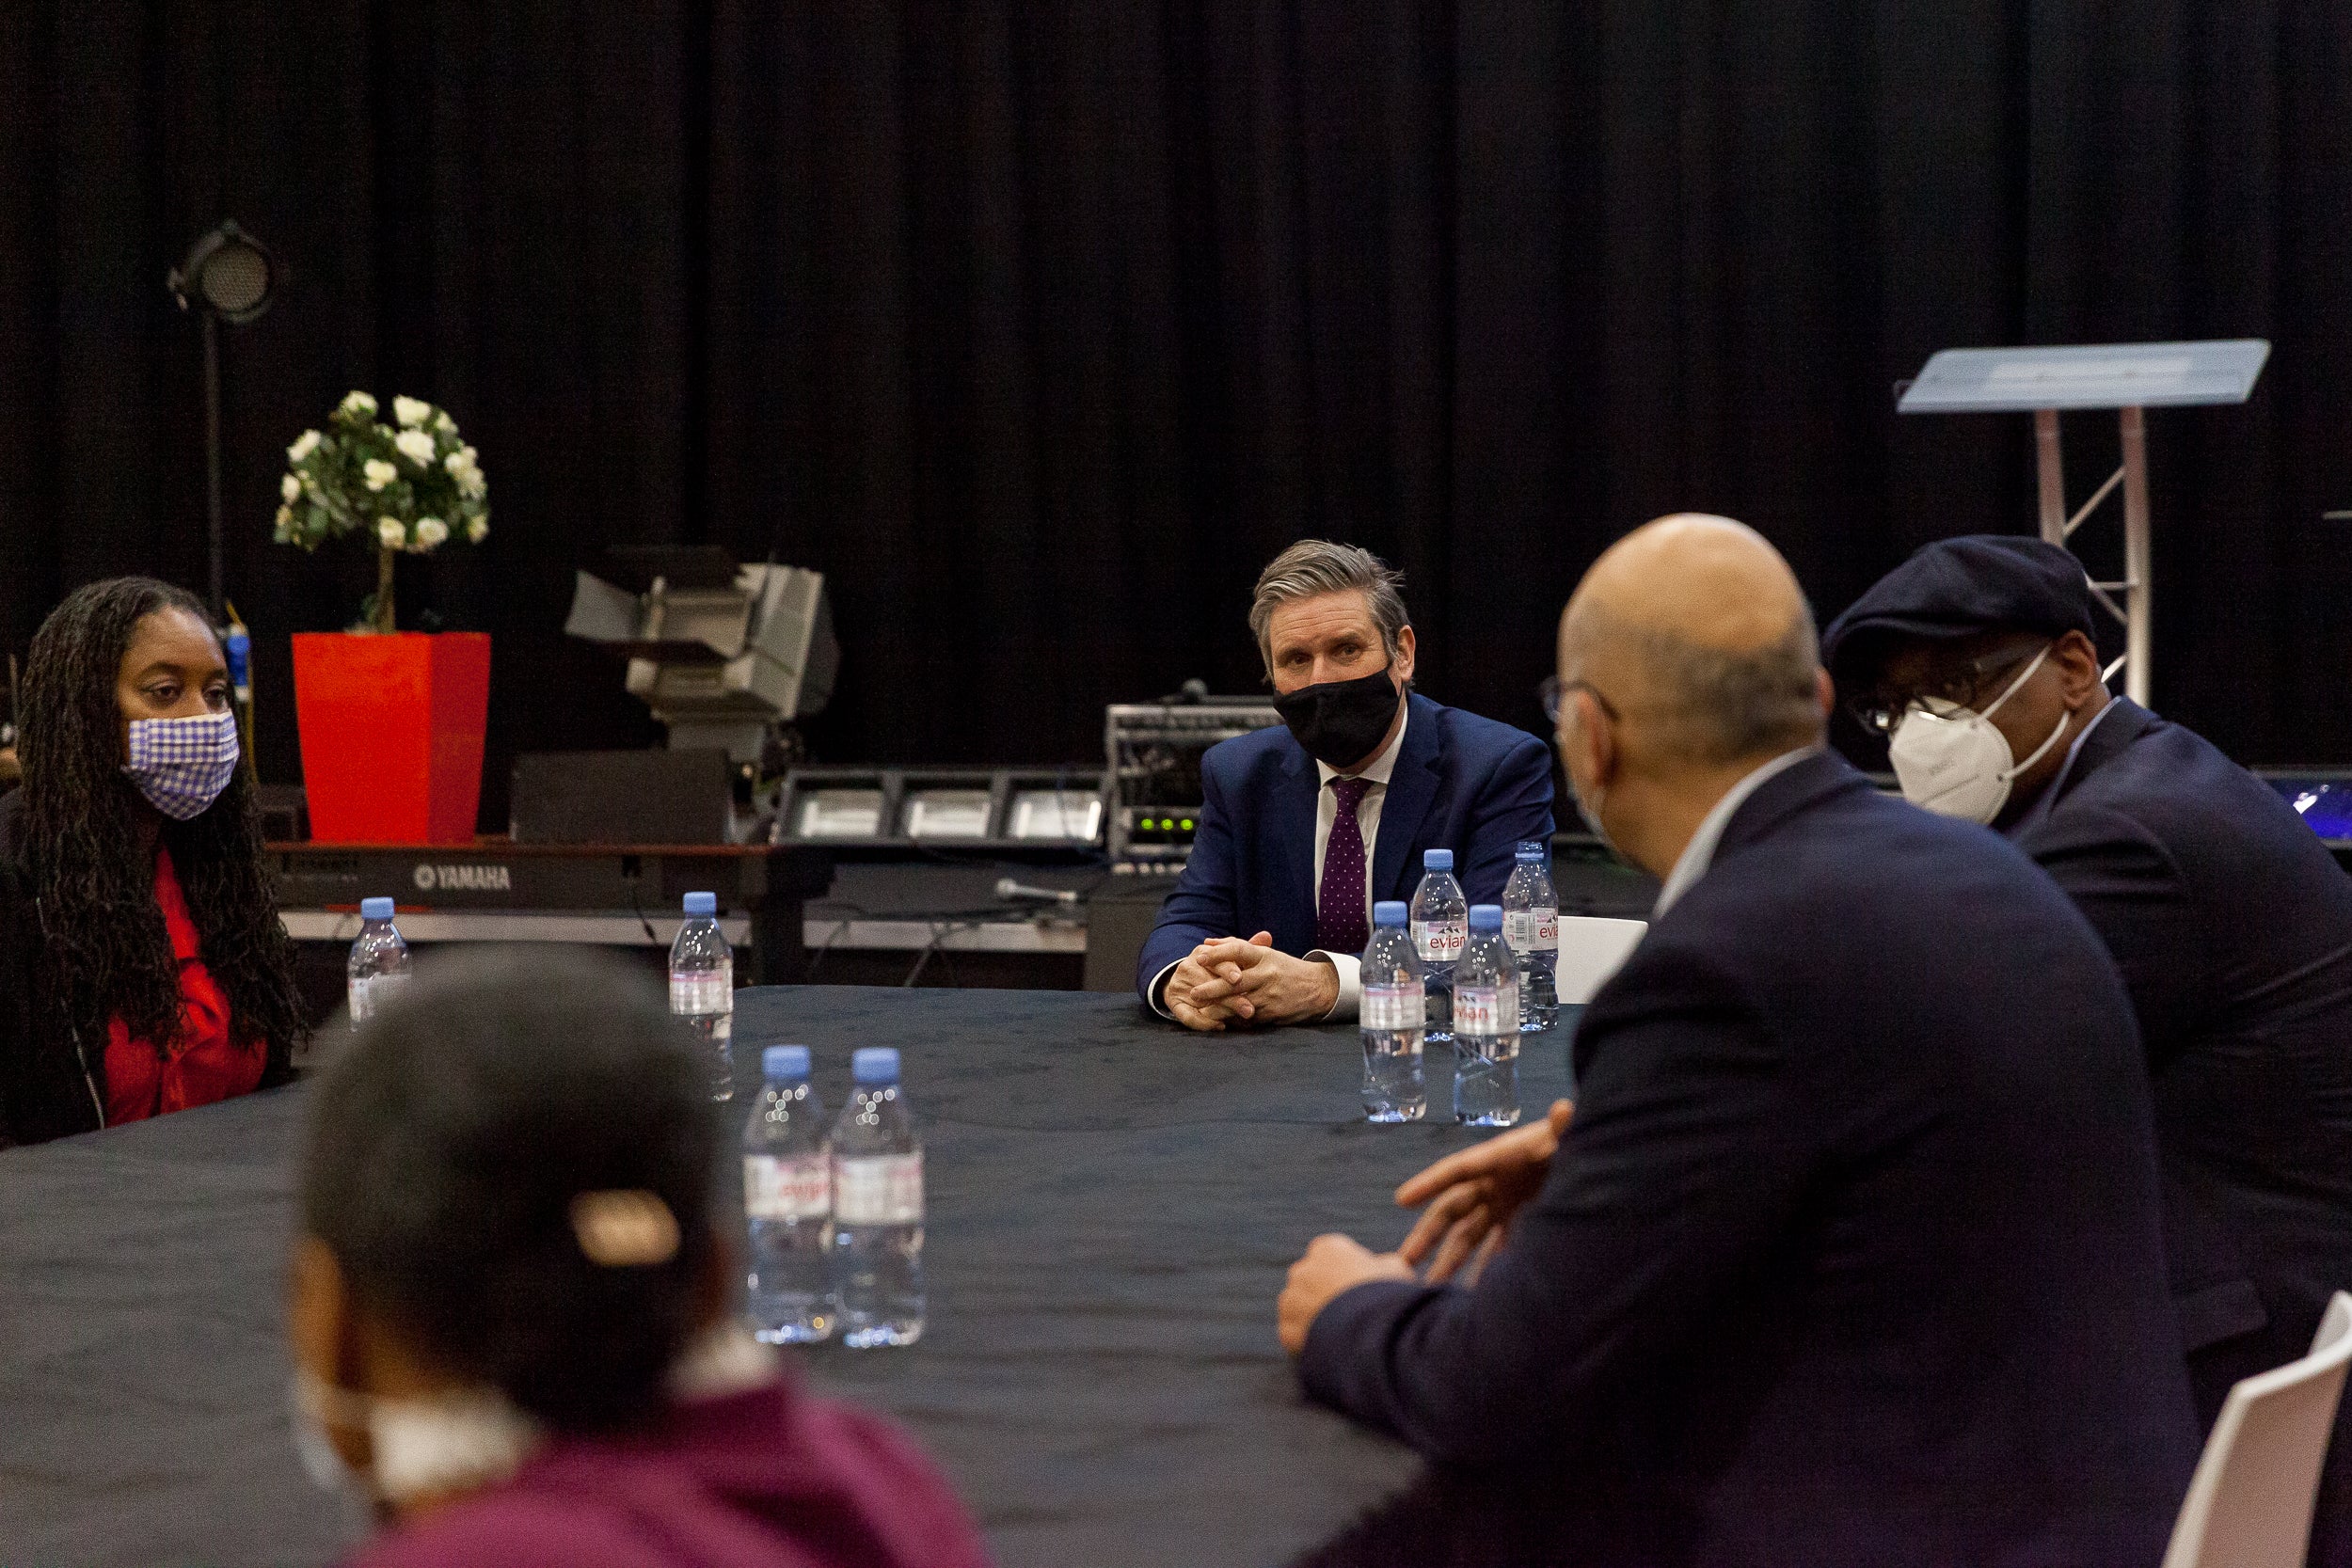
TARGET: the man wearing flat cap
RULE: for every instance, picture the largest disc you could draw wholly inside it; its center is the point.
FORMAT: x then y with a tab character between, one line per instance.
2230	921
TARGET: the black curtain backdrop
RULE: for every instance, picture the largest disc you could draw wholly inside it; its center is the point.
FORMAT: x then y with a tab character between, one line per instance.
1039	324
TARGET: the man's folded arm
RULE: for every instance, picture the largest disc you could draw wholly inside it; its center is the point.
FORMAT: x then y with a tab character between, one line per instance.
1682	1164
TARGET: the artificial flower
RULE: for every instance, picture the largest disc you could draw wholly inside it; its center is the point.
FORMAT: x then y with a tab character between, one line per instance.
415	446
379	473
289	487
431	531
305	444
358	402
410	412
477	530
388	530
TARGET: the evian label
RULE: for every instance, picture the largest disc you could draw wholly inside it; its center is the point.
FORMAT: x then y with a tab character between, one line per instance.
463	878
795	1189
1531	930
1394	1007
710	990
879	1189
1439	941
375	992
1486	1009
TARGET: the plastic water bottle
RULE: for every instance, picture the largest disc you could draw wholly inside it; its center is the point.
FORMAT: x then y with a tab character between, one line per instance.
1486	1025
1393	1013
1439	928
1531	923
787	1200
379	961
876	1208
702	987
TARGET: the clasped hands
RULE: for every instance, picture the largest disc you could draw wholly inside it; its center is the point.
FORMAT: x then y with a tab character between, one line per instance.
1231	981
1470	1196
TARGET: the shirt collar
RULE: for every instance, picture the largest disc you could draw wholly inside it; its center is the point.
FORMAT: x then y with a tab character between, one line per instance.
1699	853
1382	766
2040	808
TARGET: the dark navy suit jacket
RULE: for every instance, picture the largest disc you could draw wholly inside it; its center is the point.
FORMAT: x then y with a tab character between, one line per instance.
1851	1254
1461	783
2232	927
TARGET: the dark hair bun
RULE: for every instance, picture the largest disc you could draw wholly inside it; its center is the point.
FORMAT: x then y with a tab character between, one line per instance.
448	1150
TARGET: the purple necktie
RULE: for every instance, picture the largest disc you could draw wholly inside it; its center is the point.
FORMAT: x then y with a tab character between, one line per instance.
1340	908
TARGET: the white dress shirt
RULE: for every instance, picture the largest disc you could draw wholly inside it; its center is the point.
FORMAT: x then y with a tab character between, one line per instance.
1327	812
1699	853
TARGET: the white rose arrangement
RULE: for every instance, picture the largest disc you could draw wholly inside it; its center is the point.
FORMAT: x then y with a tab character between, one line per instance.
410	488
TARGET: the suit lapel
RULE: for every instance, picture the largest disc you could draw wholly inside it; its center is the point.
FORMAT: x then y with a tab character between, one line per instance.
2116	731
1412	790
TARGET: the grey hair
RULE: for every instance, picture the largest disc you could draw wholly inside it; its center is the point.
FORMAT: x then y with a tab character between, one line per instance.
1714	707
1315	566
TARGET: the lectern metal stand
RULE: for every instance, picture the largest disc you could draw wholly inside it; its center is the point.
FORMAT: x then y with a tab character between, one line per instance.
2127	378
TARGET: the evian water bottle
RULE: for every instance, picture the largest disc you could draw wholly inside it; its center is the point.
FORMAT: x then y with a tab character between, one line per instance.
1531	923
1393	1012
702	988
787	1200
876	1208
1486	1025
1440	925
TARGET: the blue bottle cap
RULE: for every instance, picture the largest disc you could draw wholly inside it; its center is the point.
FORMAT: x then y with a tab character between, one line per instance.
1389	911
702	903
1485	917
1531	851
1436	860
376	909
875	1063
786	1062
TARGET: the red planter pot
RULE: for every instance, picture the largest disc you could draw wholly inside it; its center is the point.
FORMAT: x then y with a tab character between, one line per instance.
391	733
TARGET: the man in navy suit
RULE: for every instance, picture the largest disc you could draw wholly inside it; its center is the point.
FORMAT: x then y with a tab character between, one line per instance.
1850	1253
2230	921
1305	826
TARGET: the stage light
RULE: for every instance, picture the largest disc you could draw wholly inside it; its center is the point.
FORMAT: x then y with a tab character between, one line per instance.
840	813
227	276
947	814
1054	815
227	273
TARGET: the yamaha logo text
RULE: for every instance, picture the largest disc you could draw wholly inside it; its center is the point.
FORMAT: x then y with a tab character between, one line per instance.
464	879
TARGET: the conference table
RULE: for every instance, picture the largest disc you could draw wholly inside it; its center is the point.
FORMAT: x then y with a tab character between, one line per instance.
1112	1203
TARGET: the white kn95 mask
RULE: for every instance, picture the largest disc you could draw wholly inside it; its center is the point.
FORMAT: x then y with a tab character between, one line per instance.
1954	762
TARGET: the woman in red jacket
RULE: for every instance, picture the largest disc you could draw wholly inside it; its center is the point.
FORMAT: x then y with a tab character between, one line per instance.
138	908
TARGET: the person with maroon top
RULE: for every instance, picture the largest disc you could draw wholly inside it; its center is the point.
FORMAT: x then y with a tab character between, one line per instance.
512	1306
143	967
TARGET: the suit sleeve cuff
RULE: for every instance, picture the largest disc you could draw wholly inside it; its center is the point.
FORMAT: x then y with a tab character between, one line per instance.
1344	1348
1349	968
1156	993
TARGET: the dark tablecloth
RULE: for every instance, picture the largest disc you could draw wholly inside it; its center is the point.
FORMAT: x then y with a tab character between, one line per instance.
1112	1203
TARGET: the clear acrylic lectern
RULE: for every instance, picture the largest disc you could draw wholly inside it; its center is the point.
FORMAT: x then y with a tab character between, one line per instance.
2127	378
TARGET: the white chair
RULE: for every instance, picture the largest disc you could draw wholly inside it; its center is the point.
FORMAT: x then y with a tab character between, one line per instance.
2249	1504
1591	950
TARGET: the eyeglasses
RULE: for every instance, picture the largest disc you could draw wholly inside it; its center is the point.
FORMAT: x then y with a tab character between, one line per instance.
1550	694
1962	685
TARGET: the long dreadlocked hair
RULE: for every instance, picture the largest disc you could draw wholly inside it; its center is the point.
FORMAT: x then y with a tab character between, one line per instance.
107	951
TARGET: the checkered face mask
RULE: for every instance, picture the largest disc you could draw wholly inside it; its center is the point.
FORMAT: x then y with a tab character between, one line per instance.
181	765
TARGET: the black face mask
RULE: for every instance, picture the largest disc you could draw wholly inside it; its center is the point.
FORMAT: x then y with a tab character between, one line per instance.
1341	722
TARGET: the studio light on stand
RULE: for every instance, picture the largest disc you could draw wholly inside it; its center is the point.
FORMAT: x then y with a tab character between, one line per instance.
228	276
